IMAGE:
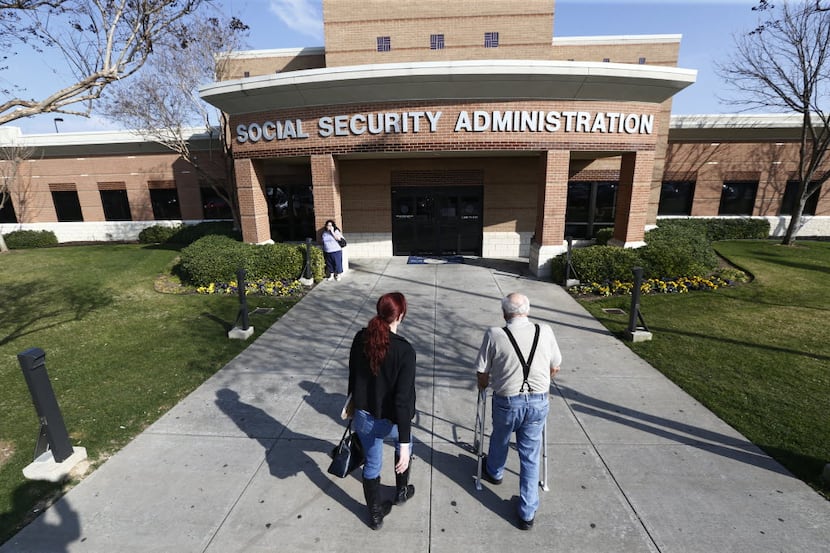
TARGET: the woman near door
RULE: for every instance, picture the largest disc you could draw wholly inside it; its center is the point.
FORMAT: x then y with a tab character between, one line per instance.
333	250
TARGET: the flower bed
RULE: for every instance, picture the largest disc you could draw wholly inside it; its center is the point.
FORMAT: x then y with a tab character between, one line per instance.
650	286
263	287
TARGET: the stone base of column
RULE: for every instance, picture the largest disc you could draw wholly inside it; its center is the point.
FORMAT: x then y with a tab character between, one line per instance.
541	258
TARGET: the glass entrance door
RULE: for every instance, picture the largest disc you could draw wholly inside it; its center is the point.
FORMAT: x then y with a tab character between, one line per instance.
437	220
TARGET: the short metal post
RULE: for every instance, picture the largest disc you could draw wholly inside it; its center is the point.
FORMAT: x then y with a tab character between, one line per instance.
568	265
635	314
243	299
52	428
307	268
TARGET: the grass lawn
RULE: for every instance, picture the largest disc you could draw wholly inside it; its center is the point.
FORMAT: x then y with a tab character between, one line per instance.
757	355
119	354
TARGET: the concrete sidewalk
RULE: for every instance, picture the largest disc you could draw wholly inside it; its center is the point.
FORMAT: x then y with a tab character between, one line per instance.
240	465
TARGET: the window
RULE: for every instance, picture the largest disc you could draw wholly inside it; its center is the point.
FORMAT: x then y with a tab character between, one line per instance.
213	206
7	214
246	74
116	205
384	44
737	197
436	42
641	61
676	198
491	40
165	203
606	60
790	200
67	206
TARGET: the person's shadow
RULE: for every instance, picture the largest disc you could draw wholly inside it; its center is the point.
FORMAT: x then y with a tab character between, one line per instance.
52	537
286	451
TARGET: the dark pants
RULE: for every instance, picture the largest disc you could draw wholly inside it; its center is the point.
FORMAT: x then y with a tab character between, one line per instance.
334	262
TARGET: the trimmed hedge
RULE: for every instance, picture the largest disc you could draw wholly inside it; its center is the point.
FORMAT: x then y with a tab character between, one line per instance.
186	234
25	239
215	259
722	229
671	251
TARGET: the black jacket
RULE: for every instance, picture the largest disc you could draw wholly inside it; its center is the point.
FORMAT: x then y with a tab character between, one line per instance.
390	395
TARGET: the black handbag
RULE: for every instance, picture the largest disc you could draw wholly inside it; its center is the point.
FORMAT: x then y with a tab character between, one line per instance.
347	455
342	242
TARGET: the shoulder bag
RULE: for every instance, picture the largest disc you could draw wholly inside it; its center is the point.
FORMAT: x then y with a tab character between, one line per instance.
347	455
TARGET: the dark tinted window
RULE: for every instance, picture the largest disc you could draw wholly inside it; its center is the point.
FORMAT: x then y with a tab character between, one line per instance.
67	206
165	204
737	197
7	214
116	205
676	198
790	200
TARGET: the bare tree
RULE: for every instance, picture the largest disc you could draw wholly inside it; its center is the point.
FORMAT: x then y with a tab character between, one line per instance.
101	42
784	65
13	179
162	102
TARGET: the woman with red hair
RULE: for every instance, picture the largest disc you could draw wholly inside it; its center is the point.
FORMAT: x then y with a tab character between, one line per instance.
382	384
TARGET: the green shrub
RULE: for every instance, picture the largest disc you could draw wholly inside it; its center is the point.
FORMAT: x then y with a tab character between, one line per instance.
603	236
189	234
158	234
598	264
216	259
721	228
677	251
25	239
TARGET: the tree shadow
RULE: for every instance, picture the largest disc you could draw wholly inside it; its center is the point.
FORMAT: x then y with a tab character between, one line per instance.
724	445
273	435
28	308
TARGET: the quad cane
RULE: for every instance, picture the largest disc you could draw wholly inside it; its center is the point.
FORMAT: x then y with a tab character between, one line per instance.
478	440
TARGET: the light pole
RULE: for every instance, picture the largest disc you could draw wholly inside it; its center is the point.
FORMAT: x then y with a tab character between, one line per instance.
58	120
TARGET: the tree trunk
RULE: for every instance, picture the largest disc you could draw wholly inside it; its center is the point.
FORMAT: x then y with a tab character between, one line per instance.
795	223
3	247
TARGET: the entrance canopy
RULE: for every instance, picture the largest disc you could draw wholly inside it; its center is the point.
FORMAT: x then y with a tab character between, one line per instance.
459	80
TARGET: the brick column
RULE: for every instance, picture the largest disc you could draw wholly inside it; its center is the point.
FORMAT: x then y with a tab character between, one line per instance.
550	212
636	171
326	188
253	207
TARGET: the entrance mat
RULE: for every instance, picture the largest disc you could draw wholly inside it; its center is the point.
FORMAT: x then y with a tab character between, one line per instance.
433	259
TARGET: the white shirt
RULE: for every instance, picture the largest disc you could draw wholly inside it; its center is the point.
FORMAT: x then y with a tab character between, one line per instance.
498	358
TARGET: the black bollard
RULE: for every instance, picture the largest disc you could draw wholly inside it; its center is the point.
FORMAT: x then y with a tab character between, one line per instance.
243	299
635	314
307	267
52	428
568	264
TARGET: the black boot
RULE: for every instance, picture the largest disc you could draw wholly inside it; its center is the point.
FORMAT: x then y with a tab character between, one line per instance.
403	489
377	510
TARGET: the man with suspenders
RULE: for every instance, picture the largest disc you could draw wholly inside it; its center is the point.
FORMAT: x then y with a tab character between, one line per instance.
518	362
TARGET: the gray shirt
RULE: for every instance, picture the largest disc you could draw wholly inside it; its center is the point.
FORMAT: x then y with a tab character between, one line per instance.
497	357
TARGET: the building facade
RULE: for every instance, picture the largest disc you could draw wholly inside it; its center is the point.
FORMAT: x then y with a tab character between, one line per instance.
446	128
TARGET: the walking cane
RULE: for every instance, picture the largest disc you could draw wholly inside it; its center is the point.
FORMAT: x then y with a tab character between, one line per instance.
543	483
478	440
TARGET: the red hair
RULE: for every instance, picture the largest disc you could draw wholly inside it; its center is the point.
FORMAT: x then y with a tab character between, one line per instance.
390	307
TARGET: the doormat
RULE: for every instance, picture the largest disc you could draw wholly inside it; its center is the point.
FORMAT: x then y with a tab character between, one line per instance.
433	259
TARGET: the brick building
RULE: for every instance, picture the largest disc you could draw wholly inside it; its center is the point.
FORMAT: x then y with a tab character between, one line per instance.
462	127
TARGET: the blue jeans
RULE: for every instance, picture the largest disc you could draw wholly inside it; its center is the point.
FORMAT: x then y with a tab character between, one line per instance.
524	414
372	432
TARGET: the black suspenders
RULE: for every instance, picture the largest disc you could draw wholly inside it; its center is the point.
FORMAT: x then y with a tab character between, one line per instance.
525	364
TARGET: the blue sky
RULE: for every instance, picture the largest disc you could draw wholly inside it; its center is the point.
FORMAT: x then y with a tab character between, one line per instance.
707	27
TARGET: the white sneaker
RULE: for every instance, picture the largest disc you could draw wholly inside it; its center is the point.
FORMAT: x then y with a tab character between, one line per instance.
331	277
336	277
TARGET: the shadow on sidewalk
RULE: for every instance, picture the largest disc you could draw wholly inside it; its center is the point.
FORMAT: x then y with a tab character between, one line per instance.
252	420
680	432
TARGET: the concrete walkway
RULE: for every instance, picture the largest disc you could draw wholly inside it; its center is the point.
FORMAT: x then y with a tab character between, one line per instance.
240	465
